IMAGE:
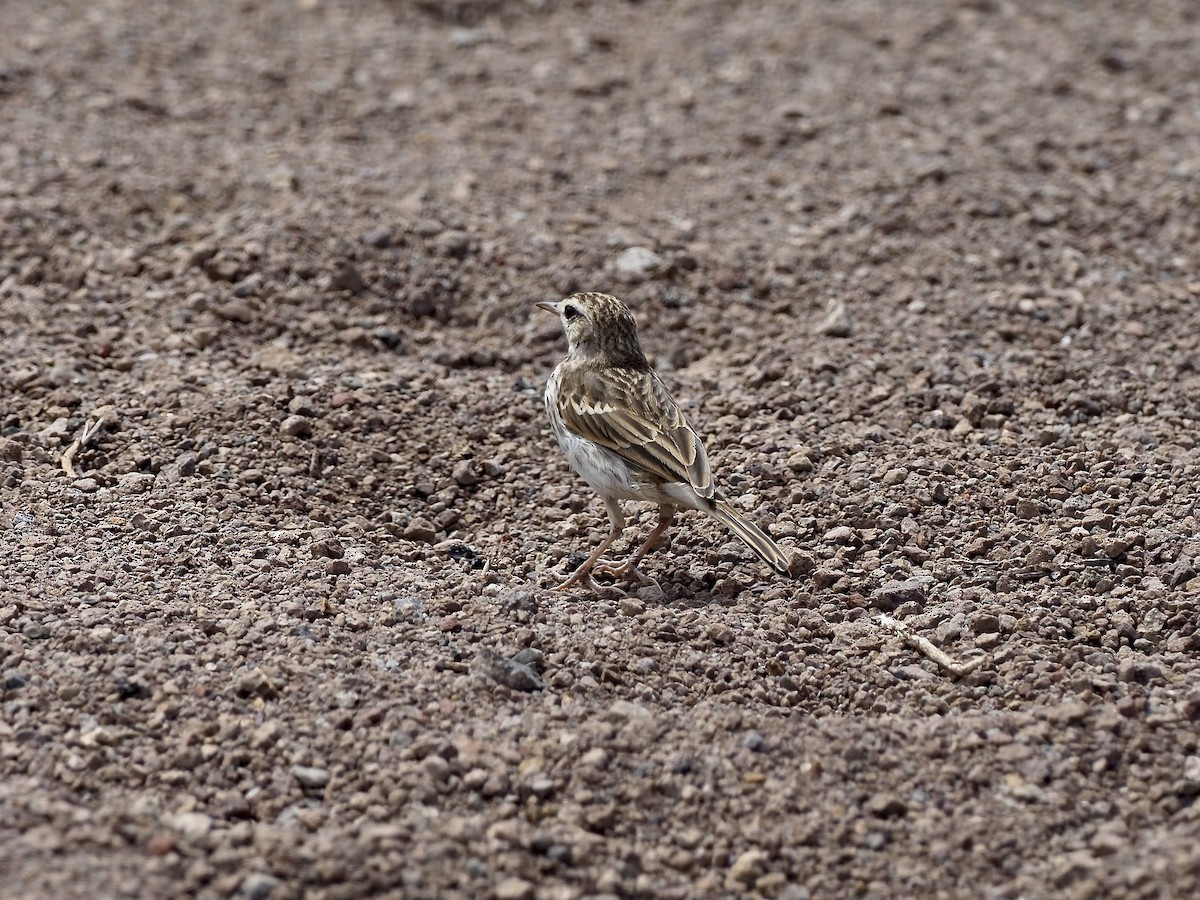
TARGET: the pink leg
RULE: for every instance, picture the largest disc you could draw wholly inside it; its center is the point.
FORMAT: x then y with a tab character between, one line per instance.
583	575
629	569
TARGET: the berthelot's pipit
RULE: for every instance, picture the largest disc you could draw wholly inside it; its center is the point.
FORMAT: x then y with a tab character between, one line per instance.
625	435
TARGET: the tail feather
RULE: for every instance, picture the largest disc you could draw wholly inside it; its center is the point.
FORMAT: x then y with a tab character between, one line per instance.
753	536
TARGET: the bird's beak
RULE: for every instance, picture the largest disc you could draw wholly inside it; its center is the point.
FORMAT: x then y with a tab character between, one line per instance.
548	305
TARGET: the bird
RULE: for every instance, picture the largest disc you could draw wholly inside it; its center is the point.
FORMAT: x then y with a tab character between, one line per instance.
625	435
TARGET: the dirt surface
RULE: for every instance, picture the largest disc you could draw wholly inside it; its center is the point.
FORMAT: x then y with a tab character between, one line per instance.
925	276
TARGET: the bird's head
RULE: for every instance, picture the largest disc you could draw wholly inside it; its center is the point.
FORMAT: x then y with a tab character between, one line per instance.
599	326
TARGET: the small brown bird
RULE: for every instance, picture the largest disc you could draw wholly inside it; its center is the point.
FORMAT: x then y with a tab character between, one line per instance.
627	437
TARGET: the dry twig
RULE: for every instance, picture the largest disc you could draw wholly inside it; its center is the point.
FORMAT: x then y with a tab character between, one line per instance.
957	669
90	430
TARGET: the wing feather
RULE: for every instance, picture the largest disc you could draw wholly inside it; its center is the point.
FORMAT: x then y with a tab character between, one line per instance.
631	413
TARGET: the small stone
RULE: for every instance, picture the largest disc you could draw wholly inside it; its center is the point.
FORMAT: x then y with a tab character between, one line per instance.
885	806
596	758
1028	509
255	683
437	767
455	244
421	531
632	606
160	844
842	534
464	38
36	632
513	888
192	825
754	742
248	286
266	735
337	567
837	322
379	237
1188	785
347	278
296	426
185	464
235	311
530	656
507	672
522	602
1043	215
135	482
985	623
729	279
465	474
628	711
259	886
800	463
773	884
311	778
896	593
327	548
302	405
746	869
1138	671
637	263
86	485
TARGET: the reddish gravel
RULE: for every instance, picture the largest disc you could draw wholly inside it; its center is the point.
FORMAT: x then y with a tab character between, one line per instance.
924	275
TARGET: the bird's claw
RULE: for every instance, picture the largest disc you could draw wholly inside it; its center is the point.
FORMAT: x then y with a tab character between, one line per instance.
627	572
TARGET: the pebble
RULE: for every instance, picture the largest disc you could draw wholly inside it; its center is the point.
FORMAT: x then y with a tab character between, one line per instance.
1028	509
296	426
465	474
378	237
421	531
192	825
746	869
302	405
631	606
259	886
311	778
514	675
896	593
985	623
637	264
513	888
628	711
346	277
1138	671
837	322
453	243
328	548
841	534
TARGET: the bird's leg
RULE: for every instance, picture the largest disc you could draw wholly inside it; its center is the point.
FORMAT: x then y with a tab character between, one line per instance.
629	569
583	575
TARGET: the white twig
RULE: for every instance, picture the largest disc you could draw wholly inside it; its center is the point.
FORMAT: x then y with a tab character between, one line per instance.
90	430
957	669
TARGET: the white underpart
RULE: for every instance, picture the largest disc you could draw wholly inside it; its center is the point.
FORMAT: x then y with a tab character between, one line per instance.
607	473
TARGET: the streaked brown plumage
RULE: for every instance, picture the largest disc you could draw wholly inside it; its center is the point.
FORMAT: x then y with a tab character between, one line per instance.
625	435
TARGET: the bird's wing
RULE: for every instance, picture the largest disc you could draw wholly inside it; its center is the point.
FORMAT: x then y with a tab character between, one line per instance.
631	413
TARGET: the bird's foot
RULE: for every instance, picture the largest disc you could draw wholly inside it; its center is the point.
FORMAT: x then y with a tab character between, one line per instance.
581	578
626	572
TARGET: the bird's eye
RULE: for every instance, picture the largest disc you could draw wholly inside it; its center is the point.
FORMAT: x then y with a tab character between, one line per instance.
571	313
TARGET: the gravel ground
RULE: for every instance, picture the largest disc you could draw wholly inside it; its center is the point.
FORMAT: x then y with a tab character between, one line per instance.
281	513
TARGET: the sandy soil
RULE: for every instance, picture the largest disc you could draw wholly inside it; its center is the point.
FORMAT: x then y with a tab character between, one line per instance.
925	276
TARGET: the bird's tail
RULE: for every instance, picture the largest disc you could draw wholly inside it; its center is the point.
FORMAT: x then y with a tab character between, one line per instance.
753	536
